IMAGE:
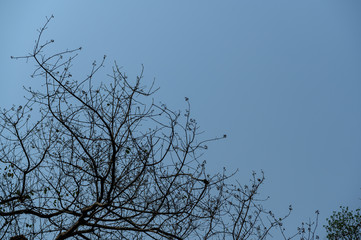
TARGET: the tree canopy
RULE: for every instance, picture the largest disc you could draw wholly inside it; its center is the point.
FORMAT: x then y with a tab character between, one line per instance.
344	225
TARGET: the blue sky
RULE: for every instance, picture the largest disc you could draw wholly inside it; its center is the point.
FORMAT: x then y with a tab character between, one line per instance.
282	78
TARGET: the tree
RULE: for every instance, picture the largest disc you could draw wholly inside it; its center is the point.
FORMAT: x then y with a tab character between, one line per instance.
344	225
102	160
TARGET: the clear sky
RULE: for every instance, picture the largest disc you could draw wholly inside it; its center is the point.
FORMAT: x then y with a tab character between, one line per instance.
282	78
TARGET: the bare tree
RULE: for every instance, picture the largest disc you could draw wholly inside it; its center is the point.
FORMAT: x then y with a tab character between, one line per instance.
102	160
